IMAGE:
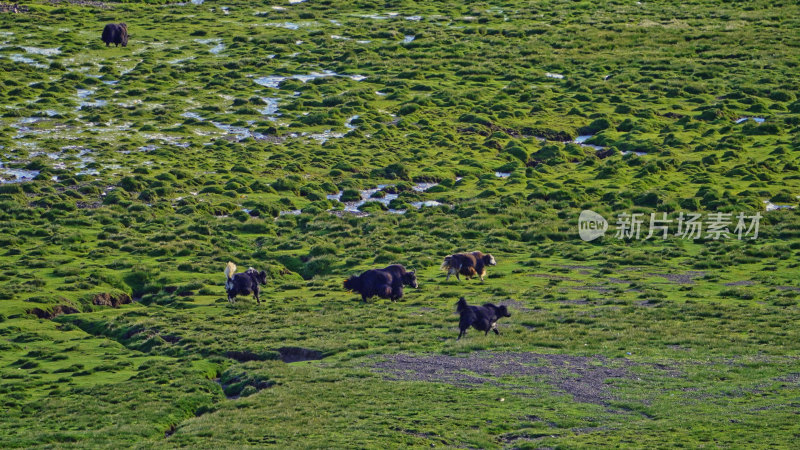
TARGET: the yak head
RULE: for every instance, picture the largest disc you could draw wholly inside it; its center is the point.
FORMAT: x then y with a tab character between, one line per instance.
489	260
410	279
353	283
260	277
502	311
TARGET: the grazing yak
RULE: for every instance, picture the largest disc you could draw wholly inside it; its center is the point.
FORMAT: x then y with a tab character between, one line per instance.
243	283
115	33
483	318
468	264
385	283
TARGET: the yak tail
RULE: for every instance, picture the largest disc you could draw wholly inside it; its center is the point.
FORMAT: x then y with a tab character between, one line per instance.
230	269
446	263
461	305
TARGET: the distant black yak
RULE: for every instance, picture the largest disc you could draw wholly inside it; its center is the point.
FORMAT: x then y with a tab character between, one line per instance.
483	318
467	264
385	283
115	33
243	283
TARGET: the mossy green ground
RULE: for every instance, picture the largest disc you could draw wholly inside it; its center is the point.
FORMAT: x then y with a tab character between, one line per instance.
157	163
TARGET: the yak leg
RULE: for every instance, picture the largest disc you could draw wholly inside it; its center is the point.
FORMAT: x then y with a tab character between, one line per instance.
462	333
385	291
255	294
397	293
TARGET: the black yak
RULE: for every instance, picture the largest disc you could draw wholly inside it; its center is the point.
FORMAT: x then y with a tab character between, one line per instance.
467	264
483	318
385	283
115	33
243	283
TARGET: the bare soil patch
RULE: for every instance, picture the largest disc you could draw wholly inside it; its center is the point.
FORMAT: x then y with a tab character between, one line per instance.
740	283
585	378
57	311
680	278
297	354
106	299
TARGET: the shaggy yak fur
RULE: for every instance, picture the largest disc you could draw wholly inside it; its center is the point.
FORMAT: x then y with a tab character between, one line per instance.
483	318
467	264
243	283
115	33
385	283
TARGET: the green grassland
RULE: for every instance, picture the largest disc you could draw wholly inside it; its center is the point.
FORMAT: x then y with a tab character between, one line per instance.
240	131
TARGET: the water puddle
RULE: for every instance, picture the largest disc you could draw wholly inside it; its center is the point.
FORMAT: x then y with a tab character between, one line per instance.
375	16
775	207
502	174
408	39
8	175
273	81
423	186
192	115
181	60
554	75
369	195
581	140
755	119
25	60
428	204
349	123
323	137
271	108
216	49
241	133
287	25
42	51
93	104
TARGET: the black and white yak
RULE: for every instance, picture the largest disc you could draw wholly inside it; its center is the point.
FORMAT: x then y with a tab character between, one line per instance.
467	264
243	283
